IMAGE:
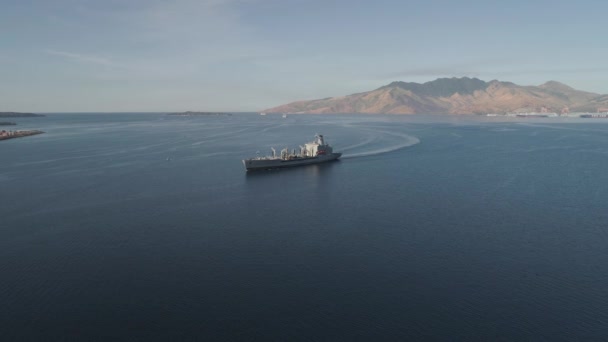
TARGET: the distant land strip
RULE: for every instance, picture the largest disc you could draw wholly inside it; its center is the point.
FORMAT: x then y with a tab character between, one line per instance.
5	135
18	115
189	113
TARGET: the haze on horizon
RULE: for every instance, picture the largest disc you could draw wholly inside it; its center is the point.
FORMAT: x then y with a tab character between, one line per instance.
246	55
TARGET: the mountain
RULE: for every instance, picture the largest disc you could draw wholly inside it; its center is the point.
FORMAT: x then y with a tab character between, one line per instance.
454	96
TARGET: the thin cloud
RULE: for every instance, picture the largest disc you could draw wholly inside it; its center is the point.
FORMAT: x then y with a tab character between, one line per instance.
486	73
431	72
183	35
81	58
553	71
468	68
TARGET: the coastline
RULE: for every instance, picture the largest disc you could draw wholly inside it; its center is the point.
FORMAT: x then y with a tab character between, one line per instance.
6	135
19	115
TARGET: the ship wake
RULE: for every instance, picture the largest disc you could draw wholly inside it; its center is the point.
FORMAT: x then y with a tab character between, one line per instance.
382	142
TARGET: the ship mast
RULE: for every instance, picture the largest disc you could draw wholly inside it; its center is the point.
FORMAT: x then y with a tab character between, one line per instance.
320	140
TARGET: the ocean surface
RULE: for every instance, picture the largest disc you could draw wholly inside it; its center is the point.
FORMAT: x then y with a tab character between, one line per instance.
145	227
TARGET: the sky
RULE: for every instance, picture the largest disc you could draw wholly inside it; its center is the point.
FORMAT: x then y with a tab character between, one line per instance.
249	55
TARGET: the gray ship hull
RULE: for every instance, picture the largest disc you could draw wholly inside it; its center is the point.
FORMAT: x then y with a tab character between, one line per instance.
266	164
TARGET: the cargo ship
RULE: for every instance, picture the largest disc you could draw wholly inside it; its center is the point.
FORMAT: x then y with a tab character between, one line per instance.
315	152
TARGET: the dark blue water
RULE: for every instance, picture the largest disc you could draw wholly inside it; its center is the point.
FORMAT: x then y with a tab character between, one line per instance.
146	227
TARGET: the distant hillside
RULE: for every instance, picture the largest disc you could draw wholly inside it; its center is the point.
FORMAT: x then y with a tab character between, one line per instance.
454	96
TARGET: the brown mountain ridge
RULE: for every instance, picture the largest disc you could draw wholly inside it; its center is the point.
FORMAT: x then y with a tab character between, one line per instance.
455	96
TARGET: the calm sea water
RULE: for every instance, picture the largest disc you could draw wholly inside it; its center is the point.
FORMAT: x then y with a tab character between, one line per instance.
145	227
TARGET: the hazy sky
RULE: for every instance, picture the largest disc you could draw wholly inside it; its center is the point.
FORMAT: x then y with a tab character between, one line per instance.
247	55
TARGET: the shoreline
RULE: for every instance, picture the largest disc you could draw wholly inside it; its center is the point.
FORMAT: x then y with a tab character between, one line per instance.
6	135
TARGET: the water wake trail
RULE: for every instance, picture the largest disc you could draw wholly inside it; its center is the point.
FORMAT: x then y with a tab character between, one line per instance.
220	136
563	127
363	143
404	140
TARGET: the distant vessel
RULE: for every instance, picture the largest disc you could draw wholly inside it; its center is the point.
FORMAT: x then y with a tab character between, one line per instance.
191	113
262	113
536	115
284	116
314	152
532	115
